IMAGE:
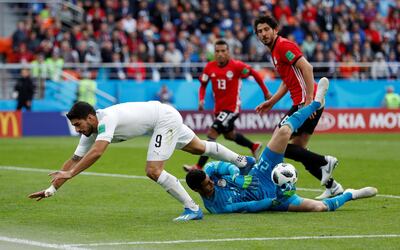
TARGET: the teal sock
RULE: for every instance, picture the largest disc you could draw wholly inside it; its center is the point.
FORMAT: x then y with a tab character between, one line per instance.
297	119
338	201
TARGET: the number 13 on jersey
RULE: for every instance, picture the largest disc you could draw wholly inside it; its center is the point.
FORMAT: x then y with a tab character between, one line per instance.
221	83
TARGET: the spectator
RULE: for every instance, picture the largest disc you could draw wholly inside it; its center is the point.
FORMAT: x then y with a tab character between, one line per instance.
136	69
93	54
320	70
391	99
54	65
23	55
87	89
175	57
24	90
117	71
39	67
20	35
164	95
308	46
349	69
380	68
393	66
129	22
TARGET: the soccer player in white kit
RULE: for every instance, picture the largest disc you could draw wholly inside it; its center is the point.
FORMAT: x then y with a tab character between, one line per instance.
128	120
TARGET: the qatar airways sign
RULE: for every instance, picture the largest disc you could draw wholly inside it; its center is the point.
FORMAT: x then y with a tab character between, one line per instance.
331	121
248	121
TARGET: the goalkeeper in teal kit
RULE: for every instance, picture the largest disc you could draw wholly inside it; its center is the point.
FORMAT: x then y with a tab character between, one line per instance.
225	188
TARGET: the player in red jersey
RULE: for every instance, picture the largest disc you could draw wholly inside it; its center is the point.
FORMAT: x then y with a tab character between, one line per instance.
225	74
297	78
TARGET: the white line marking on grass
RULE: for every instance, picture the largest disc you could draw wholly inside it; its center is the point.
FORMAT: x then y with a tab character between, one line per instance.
12	168
39	244
84	173
240	239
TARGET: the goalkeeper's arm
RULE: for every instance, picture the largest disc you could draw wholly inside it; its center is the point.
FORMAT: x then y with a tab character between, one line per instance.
248	206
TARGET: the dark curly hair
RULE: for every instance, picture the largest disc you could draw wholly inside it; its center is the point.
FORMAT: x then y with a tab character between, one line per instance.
80	110
194	178
270	20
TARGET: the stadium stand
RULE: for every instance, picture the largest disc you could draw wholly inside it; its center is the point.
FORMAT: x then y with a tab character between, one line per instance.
122	39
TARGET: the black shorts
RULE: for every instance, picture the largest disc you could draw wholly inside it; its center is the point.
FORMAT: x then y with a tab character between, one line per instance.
308	126
225	121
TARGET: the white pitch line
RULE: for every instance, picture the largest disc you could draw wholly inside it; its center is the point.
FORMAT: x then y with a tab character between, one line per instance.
13	168
238	239
39	244
84	173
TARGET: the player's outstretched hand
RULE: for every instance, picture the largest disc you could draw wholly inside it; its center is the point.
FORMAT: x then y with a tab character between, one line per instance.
265	107
43	194
57	175
288	189
38	195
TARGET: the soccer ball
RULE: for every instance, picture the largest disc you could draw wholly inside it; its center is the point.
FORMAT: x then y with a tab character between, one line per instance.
284	173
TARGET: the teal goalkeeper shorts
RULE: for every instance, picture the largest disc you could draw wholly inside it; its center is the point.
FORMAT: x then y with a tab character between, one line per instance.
282	203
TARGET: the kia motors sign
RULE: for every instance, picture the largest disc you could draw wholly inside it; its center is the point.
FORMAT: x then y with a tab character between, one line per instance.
359	121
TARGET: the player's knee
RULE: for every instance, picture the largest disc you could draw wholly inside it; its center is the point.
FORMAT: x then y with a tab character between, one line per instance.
319	207
229	137
198	148
153	173
285	131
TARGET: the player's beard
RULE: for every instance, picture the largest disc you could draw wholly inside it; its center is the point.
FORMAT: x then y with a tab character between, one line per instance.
89	131
223	62
267	43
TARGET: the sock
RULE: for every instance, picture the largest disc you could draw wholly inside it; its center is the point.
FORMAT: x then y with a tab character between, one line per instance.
221	153
331	183
203	159
172	185
243	141
311	161
338	201
297	119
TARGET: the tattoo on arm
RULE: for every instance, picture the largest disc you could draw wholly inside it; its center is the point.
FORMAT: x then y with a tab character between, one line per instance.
76	158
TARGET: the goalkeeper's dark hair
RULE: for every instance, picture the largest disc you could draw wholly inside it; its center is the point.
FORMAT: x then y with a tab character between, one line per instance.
268	19
194	178
80	110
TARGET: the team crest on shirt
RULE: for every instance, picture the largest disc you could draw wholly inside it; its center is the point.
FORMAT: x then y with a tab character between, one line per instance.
221	183
229	74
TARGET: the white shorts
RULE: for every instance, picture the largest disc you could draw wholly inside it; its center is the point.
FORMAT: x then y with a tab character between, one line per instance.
169	134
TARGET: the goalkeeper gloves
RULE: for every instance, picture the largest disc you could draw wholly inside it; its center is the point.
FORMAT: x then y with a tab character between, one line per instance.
288	189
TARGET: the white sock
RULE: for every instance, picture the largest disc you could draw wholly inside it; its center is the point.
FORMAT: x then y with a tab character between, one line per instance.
221	153
172	185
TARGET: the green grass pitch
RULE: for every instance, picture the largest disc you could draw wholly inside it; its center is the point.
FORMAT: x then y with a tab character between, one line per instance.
103	212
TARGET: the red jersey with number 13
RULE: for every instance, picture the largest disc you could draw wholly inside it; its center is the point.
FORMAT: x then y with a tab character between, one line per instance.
285	54
226	83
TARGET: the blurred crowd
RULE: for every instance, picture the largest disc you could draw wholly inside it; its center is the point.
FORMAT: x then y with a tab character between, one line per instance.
177	31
